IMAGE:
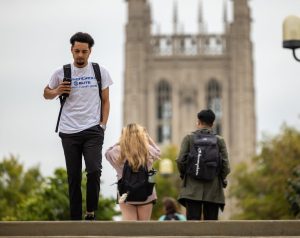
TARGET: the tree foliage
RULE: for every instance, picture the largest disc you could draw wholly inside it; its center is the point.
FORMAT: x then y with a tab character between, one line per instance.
293	195
166	186
26	195
16	185
51	202
261	188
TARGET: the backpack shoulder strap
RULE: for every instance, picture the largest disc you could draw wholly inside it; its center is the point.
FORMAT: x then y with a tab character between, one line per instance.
126	168
67	74
97	72
177	218
193	138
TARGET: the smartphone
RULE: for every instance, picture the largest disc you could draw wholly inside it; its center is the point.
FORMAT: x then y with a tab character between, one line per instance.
66	80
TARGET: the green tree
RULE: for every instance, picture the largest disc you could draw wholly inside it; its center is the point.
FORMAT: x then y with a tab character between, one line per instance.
293	195
261	187
52	202
166	186
26	195
16	185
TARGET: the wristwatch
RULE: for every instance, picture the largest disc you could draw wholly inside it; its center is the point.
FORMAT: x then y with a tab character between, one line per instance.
103	126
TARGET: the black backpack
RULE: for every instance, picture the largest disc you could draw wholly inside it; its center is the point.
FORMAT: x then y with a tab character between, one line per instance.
204	160
135	184
67	75
171	217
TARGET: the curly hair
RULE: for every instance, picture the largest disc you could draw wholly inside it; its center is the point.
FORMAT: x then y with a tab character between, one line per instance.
83	38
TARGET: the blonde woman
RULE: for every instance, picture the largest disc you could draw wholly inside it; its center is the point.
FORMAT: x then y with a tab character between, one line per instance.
138	149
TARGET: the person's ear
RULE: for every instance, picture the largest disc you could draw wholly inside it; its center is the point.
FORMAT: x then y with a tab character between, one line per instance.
198	123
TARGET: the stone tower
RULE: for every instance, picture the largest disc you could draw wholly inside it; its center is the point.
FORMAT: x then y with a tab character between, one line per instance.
169	78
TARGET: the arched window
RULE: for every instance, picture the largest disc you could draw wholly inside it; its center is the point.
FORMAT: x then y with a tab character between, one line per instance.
163	111
214	102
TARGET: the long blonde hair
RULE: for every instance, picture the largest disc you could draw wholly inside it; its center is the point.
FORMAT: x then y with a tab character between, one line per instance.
134	145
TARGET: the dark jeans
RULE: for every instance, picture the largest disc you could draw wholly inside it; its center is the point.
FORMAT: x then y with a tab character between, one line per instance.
89	144
194	210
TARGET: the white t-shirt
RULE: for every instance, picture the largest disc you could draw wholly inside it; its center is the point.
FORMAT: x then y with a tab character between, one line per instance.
82	108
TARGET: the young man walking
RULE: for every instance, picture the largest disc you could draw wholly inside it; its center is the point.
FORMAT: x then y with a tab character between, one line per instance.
85	110
203	165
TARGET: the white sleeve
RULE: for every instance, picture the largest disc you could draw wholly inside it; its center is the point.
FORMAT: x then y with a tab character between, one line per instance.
106	80
56	78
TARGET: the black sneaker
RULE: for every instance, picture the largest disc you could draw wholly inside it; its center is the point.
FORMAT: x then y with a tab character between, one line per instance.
90	217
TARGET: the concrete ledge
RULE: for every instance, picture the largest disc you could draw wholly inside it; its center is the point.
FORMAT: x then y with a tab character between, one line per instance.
153	228
150	236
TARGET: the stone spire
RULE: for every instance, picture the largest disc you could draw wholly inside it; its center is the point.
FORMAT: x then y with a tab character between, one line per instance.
175	18
225	16
200	18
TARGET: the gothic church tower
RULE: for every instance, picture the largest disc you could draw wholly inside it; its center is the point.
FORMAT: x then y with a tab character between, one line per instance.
137	42
169	78
242	100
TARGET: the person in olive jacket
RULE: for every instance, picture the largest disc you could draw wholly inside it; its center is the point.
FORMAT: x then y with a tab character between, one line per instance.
197	195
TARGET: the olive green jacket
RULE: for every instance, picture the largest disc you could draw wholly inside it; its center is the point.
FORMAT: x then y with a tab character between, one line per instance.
199	190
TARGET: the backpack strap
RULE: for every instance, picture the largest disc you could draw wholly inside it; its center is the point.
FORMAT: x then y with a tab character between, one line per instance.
97	72
62	100
172	216
193	138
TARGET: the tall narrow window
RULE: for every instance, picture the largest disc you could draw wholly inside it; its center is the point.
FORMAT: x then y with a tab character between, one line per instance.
164	111
213	101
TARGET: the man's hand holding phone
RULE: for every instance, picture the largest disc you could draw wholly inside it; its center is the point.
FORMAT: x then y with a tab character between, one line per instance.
64	88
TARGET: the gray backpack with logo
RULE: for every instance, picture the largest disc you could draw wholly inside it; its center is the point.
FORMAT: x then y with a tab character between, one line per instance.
204	159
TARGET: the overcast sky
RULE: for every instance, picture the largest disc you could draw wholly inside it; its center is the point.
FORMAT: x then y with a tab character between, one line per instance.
35	41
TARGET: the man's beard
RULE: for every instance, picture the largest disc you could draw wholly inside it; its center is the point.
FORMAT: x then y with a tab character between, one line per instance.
80	62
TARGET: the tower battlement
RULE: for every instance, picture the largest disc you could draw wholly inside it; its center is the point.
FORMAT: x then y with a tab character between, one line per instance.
188	45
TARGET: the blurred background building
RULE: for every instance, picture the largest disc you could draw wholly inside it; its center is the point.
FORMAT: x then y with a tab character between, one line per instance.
169	78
